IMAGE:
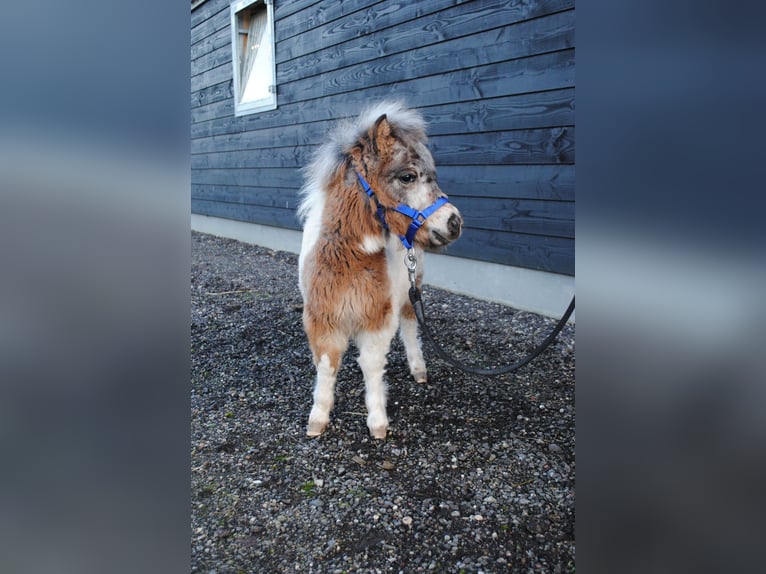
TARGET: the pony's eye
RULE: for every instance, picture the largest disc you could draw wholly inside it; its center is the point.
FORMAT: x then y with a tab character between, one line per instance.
407	178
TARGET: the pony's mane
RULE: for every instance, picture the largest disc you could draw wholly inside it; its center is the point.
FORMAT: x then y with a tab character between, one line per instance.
330	156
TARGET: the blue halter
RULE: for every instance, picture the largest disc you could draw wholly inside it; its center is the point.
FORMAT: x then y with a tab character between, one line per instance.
418	217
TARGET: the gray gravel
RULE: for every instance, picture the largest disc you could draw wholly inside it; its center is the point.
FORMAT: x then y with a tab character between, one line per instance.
476	475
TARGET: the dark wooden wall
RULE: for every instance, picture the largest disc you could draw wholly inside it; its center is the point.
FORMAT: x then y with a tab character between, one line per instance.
493	78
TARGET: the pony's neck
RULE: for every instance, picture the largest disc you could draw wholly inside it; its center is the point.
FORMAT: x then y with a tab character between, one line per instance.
349	213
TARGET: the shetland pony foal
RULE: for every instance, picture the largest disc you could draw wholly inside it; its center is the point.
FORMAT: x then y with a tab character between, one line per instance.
352	272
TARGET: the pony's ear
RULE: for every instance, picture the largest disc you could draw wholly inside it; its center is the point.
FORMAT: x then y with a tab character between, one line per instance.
381	136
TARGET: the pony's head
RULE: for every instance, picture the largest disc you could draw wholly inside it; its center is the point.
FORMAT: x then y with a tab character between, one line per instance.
390	153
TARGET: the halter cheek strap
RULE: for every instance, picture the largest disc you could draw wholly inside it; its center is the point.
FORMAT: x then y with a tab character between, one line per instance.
371	194
418	217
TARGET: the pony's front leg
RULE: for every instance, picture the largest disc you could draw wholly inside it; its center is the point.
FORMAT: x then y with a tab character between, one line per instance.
408	332
373	348
327	362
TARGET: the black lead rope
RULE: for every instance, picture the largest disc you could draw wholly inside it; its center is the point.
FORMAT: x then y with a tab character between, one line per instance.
417	303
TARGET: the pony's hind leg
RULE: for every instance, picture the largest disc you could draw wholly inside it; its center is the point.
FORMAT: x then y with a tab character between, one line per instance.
408	332
373	348
327	360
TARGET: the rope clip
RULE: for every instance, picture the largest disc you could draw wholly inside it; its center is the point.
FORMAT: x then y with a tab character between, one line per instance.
412	263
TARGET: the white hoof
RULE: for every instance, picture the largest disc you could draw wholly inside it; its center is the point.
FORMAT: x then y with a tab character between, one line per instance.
315	428
378	425
379	432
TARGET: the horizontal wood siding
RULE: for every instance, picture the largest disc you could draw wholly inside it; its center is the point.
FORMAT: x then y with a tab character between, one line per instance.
493	78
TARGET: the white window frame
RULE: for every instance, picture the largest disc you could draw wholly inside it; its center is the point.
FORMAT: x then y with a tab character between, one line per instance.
263	104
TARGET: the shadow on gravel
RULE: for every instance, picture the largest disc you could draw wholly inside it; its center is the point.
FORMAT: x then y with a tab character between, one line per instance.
476	475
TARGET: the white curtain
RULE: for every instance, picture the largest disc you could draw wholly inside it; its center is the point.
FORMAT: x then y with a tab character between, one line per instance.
255	38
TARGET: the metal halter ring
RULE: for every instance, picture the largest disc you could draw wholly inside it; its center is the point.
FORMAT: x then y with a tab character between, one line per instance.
412	263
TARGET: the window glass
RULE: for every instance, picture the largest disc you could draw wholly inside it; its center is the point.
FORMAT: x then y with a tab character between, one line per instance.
253	57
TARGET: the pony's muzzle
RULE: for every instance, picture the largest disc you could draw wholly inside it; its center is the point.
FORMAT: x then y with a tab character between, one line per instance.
446	227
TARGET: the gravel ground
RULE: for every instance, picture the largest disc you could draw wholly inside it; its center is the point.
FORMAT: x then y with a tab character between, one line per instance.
476	475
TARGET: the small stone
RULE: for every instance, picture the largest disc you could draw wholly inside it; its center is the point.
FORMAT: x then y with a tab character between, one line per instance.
553	447
388	465
537	526
407	520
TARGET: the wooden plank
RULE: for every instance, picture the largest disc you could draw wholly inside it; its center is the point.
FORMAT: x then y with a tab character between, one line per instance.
320	14
308	134
539	73
210	43
218	52
222	92
546	109
534	74
533	217
274	216
463	54
390	23
197	3
553	182
300	134
523	111
219	38
284	198
203	115
278	157
212	59
552	254
212	77
206	10
295	158
264	177
283	9
498	23
549	145
210	26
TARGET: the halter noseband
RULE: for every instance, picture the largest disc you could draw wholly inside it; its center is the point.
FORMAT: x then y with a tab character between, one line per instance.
418	217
